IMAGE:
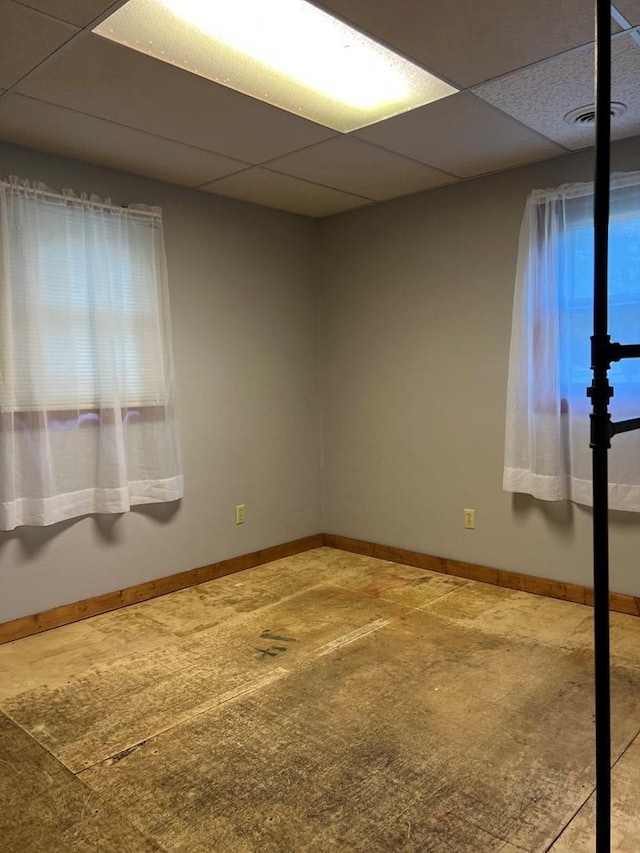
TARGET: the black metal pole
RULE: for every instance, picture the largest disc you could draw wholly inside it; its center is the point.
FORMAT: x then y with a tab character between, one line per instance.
600	393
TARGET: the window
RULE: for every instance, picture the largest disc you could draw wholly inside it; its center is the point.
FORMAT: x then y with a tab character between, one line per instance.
85	343
93	275
624	306
547	428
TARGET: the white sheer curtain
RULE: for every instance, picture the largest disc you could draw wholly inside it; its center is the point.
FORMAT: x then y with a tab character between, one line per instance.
87	410
547	450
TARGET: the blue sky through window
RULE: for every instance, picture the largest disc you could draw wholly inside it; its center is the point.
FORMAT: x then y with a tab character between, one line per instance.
576	283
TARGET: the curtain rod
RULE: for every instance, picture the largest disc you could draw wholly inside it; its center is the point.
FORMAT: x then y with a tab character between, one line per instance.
86	201
584	189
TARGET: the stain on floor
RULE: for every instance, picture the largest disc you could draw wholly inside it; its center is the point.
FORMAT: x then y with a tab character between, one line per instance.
440	752
382	584
115	705
423	718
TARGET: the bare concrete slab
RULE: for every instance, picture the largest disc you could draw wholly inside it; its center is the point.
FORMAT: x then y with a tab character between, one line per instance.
625	818
327	701
45	808
419	735
510	613
52	658
116	705
402	584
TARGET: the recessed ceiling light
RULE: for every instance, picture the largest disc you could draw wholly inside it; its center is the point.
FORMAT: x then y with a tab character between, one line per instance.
288	53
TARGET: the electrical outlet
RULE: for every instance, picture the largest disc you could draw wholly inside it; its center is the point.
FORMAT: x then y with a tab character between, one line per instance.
469	519
240	514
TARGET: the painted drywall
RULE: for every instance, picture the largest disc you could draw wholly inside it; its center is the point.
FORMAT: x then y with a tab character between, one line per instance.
416	321
415	299
244	302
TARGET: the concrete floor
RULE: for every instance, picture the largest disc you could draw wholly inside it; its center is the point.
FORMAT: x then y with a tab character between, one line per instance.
327	701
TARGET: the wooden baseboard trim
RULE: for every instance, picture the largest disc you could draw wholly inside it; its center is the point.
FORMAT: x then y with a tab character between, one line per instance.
67	613
619	602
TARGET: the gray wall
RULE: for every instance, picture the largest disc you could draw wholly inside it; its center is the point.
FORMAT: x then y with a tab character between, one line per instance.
416	319
408	387
244	301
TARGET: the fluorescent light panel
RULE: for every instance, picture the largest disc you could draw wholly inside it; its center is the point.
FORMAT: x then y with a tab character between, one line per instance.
288	53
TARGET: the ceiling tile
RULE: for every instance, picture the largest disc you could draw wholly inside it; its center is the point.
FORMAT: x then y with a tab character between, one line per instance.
630	9
80	12
262	186
27	39
468	42
354	166
461	135
542	95
107	80
25	121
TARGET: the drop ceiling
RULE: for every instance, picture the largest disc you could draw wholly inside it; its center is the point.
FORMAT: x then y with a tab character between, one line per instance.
520	67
